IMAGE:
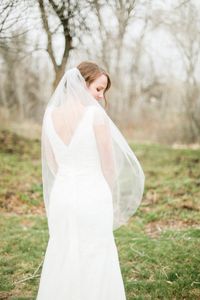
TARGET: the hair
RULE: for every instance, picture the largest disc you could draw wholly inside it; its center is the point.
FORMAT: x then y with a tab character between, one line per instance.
91	71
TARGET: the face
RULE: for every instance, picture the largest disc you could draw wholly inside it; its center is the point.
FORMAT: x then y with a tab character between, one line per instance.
98	86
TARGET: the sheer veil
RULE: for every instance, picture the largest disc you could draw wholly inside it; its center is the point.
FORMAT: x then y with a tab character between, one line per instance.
119	164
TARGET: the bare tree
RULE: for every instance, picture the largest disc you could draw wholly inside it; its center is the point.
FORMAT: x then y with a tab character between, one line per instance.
6	7
71	23
11	15
185	31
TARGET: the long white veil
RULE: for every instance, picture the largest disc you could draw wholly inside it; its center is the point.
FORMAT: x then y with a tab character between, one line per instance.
119	164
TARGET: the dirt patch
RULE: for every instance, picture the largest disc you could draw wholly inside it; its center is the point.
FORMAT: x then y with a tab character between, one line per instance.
13	143
154	229
186	146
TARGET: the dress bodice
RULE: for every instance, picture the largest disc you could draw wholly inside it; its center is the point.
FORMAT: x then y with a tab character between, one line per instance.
81	154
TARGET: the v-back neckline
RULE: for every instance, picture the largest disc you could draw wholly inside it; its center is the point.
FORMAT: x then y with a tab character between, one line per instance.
75	131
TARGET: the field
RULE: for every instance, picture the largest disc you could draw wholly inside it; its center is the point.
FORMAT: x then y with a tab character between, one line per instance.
158	249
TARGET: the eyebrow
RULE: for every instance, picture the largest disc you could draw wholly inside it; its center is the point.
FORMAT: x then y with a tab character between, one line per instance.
102	86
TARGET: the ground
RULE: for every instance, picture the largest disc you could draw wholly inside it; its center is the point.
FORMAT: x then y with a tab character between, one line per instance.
158	249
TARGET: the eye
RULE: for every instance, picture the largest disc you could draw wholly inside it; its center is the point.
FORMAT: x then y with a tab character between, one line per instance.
98	89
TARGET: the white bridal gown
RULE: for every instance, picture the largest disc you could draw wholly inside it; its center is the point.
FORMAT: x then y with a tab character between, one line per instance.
81	260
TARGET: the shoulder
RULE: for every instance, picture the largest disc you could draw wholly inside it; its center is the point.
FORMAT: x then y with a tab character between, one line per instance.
98	110
100	116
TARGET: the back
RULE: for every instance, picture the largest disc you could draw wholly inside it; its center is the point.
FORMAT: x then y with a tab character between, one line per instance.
81	152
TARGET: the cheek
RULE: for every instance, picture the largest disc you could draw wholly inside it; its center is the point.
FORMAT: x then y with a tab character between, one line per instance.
93	91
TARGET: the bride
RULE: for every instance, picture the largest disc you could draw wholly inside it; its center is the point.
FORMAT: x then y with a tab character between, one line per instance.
92	184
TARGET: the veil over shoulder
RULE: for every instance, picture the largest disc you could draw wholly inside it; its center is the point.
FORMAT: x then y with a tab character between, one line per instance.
66	111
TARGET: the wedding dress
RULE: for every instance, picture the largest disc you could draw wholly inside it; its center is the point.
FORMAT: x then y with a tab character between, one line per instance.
81	260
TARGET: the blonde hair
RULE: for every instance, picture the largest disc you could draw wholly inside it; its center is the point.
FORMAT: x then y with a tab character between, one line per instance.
91	71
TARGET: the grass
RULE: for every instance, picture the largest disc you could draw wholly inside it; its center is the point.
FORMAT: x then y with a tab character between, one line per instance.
158	249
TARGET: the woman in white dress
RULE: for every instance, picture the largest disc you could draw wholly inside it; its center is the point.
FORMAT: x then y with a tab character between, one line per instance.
92	184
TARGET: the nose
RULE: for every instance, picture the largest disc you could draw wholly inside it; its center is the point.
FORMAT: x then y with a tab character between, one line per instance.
101	96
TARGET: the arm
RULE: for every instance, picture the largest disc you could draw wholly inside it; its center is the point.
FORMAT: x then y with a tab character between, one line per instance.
105	147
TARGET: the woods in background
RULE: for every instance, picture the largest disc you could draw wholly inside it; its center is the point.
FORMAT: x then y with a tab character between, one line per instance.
150	49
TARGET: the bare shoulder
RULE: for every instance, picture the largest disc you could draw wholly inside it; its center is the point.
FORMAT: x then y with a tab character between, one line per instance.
99	116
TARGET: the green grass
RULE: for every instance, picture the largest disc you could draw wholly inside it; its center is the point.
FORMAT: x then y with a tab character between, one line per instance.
23	241
158	249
